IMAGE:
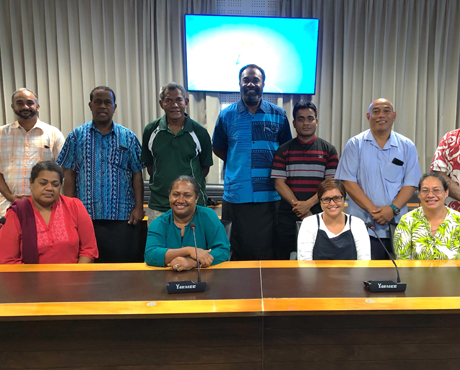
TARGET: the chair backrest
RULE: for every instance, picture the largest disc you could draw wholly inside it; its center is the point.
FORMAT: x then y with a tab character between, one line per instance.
228	228
392	237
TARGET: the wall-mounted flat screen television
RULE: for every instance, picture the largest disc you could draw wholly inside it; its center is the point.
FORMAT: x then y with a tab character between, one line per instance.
218	46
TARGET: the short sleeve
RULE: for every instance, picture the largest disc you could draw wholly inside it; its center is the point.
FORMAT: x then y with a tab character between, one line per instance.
146	154
58	143
403	240
135	164
219	137
285	133
206	148
332	162
448	148
67	156
348	164
413	173
279	165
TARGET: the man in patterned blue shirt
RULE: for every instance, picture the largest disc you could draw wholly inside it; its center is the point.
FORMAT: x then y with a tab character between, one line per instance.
246	136
103	169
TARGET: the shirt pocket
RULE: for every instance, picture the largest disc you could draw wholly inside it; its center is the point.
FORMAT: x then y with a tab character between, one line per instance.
121	157
393	172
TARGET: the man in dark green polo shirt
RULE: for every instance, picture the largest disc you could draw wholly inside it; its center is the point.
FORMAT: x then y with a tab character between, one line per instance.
174	145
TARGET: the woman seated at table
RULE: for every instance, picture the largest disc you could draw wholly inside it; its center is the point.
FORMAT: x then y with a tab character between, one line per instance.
47	227
170	239
432	231
333	235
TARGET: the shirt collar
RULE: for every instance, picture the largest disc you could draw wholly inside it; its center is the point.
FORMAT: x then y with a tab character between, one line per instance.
39	124
188	126
391	141
306	143
115	129
263	106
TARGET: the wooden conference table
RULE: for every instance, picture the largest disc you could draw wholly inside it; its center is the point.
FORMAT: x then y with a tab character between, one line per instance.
253	315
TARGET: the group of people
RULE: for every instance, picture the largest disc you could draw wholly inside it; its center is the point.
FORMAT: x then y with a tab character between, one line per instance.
100	165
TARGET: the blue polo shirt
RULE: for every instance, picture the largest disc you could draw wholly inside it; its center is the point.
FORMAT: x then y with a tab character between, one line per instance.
365	163
250	142
104	166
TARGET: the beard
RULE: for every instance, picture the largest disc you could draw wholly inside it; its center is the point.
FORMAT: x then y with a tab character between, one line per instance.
251	98
26	113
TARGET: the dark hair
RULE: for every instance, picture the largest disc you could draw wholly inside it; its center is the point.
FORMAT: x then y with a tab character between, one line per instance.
102	88
252	66
329	184
436	176
170	87
302	104
23	89
191	180
46	166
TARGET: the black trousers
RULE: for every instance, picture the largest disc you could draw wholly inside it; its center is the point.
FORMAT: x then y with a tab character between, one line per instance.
118	241
377	251
287	234
253	230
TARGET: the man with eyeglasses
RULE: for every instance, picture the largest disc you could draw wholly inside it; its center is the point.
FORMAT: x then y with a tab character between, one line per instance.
380	171
174	145
446	163
299	167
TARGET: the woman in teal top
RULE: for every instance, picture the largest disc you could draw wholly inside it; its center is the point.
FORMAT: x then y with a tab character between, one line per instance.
170	239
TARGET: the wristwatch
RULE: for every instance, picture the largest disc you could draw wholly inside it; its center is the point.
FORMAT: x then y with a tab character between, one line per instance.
396	210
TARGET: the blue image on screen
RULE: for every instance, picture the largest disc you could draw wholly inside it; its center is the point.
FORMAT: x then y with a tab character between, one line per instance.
218	46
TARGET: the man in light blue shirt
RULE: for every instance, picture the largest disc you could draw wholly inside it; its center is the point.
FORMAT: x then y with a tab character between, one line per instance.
380	171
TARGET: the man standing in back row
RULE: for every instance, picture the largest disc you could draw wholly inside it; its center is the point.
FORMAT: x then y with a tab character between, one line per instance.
246	136
103	169
174	145
23	144
380	171
300	166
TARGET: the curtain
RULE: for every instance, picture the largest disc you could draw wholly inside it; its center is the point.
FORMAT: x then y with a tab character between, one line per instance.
63	49
404	50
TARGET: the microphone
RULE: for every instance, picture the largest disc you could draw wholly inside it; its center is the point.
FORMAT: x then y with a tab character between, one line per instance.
380	286
188	286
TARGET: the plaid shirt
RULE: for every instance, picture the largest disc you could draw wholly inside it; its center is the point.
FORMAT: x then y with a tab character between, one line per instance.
20	150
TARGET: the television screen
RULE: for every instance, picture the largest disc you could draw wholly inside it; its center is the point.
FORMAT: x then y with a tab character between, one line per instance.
218	46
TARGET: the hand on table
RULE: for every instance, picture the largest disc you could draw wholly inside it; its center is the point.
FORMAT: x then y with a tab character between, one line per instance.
182	264
204	257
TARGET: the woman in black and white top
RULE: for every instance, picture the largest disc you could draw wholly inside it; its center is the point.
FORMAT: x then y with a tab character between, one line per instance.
333	235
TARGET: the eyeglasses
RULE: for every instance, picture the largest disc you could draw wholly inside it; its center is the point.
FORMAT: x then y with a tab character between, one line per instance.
435	191
328	200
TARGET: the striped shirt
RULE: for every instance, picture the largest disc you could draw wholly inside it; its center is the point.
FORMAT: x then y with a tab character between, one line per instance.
250	140
21	150
304	166
104	166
